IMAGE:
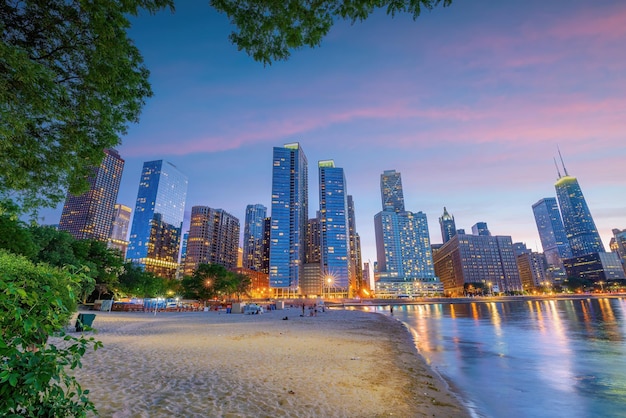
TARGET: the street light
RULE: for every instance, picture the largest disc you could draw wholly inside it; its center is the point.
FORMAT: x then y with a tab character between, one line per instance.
329	280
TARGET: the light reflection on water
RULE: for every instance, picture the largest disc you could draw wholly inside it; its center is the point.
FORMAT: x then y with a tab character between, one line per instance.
548	358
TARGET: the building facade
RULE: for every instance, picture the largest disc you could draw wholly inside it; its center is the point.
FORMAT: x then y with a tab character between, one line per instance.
471	259
119	229
391	191
356	262
618	245
551	233
155	234
290	203
447	226
334	228
253	237
90	215
597	267
532	270
213	239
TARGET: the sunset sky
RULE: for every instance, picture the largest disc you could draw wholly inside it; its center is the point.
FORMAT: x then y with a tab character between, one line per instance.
468	102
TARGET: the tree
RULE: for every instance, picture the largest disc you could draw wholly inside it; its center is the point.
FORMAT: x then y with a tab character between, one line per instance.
71	80
134	281
36	301
15	237
242	284
269	30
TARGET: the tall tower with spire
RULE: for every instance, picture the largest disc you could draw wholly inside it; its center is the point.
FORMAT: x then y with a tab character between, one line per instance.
448	227
580	228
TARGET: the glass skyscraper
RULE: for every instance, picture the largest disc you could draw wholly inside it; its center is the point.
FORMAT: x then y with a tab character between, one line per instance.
580	229
335	242
90	215
119	230
156	230
289	217
391	191
356	263
403	250
253	236
551	232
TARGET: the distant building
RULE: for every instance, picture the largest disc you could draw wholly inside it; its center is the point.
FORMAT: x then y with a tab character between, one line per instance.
596	267
265	260
520	248
119	230
213	239
90	215
259	282
313	241
155	234
290	206
488	260
618	245
253	237
532	270
356	262
447	225
551	233
335	239
480	228
580	228
404	255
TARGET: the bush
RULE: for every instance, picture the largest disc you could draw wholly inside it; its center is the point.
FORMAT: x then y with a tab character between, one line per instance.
36	302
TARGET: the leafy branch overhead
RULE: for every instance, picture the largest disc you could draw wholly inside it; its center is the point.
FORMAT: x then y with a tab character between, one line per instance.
269	29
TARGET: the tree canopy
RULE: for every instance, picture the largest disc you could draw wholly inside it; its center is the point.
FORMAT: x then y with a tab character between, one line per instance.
71	80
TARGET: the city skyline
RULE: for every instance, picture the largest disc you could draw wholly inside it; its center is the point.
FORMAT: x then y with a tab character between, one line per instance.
472	125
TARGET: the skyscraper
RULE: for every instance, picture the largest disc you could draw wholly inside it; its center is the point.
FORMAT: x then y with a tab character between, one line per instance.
156	230
90	215
447	225
391	191
119	231
580	228
480	228
335	248
356	264
404	255
213	239
551	232
253	236
290	203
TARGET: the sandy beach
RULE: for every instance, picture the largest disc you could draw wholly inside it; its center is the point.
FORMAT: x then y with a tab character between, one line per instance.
212	364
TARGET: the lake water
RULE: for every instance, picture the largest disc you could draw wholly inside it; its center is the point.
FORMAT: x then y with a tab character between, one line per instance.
547	358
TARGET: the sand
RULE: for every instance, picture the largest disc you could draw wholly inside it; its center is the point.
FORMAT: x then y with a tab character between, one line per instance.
210	364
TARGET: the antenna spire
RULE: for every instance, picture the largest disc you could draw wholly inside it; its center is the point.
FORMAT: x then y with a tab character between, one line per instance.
562	163
557	169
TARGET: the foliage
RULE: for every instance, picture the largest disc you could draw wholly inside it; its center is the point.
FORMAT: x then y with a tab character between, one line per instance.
268	30
575	284
213	280
37	301
15	237
70	82
134	281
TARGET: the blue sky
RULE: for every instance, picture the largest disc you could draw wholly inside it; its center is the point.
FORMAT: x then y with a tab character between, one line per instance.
468	102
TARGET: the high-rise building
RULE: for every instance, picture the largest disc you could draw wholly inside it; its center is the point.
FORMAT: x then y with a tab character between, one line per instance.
404	254
335	239
265	260
313	241
551	232
90	215
119	230
157	222
356	263
480	228
472	259
618	245
532	270
290	203
580	228
391	191
447	225
253	237
213	239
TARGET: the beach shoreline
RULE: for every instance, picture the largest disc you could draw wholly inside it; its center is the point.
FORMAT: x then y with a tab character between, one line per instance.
339	363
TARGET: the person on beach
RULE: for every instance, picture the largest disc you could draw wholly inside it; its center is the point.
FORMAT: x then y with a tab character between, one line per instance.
391	309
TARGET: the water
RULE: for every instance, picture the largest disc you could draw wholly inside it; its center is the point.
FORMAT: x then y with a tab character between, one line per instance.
548	358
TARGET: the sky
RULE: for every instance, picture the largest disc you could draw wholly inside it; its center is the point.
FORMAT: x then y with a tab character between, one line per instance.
469	103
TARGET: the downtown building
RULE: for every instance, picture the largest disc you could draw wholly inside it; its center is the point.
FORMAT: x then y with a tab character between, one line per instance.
404	255
447	226
90	215
589	259
356	260
312	281
552	236
253	237
486	260
335	263
289	217
213	239
618	245
155	234
119	229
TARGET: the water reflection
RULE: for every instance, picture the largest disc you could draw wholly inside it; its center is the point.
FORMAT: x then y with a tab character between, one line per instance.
547	358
